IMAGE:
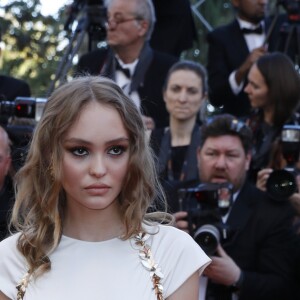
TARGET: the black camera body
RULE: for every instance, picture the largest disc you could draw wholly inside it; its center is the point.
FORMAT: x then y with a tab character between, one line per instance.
206	204
292	8
94	19
19	118
23	107
282	183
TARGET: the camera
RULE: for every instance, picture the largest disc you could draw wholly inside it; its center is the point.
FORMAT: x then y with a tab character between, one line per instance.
206	204
94	17
23	107
282	183
19	118
292	8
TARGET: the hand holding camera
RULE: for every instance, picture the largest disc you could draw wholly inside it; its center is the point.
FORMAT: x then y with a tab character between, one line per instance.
203	207
282	184
181	220
294	197
223	269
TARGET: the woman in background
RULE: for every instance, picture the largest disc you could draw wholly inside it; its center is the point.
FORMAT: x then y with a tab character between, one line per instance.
176	146
274	92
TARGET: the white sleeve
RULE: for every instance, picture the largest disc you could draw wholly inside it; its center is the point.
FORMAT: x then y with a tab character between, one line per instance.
12	266
234	85
179	257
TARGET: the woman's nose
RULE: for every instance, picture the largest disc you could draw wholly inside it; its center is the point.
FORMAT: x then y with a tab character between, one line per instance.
98	166
182	96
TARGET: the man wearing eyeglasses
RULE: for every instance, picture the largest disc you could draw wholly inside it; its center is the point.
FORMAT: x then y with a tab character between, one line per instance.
255	254
129	60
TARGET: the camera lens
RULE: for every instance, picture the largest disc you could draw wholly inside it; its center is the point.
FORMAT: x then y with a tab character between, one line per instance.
281	184
208	238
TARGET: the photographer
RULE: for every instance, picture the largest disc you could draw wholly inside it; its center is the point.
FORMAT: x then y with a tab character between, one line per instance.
256	260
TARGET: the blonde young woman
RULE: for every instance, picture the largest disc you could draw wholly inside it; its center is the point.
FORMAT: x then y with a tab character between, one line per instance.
81	203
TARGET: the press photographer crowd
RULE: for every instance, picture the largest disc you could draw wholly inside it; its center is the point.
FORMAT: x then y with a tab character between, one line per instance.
196	166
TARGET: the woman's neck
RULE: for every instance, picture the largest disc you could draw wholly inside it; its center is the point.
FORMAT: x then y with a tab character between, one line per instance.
269	115
181	132
93	225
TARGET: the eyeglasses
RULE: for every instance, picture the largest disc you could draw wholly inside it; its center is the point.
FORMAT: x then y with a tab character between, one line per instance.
115	23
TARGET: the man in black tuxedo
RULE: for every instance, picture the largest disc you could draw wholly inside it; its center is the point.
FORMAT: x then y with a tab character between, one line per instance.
129	60
255	259
233	49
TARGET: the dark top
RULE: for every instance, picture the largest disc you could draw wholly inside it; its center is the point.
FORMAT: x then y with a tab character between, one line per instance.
177	166
178	155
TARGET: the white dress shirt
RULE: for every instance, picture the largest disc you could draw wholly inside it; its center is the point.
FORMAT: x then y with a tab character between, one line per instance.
253	41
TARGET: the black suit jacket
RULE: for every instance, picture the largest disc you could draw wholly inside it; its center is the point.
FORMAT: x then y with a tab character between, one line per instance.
262	245
149	77
226	52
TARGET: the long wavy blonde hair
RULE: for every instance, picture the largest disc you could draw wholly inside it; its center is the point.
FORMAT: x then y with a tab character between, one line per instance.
40	199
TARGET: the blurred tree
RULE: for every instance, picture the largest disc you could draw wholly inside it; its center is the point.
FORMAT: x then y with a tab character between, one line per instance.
33	43
207	15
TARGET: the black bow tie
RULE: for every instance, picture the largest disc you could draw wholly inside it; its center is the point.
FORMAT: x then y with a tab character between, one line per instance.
126	71
257	30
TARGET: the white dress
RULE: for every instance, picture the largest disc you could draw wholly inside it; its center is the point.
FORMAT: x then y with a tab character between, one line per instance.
107	270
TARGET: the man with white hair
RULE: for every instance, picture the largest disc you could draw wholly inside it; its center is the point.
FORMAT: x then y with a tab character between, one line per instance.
129	60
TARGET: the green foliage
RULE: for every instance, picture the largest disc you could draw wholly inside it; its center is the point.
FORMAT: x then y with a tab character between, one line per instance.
31	44
213	13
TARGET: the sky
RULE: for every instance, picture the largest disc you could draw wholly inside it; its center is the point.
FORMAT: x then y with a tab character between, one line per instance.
50	7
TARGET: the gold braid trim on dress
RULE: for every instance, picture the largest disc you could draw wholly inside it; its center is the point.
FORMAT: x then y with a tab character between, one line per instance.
147	261
21	287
